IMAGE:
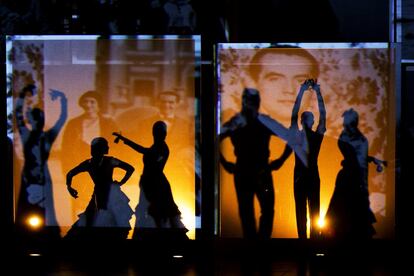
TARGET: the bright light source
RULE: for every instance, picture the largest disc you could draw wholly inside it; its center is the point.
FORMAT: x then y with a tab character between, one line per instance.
35	255
188	218
34	221
178	256
321	222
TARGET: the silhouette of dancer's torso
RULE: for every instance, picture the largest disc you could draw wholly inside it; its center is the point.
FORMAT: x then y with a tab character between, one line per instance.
251	145
252	175
101	171
155	184
349	210
312	145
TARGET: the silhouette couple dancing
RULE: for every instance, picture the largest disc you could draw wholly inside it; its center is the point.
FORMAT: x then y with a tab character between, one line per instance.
108	209
349	213
250	133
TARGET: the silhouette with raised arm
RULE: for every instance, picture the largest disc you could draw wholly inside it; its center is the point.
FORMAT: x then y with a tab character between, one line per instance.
108	208
349	215
306	143
77	136
306	172
36	191
155	187
250	134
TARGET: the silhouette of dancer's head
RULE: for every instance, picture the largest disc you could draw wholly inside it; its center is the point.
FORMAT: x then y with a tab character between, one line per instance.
250	103
36	119
307	120
351	119
99	147
159	131
90	101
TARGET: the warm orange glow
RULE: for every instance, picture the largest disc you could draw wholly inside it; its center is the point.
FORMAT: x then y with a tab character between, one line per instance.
188	217
35	221
362	88
132	114
321	222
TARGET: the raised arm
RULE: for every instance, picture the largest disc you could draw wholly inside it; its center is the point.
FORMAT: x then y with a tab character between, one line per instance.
55	94
296	106
54	131
129	143
322	111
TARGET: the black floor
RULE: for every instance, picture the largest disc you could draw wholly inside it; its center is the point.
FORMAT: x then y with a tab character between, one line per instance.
212	257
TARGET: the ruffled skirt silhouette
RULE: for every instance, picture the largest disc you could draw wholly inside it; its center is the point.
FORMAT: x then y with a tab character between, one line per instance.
157	215
110	222
349	216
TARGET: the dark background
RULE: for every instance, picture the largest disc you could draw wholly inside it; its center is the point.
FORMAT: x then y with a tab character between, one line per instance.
228	21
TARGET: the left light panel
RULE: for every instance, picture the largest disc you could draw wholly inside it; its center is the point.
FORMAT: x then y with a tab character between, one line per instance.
82	110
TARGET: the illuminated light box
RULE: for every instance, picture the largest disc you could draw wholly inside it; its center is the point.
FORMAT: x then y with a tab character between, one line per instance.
84	87
357	76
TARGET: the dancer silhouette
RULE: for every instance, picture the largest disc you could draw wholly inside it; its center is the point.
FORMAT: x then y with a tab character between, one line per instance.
250	134
77	136
36	191
108	207
155	187
306	143
349	215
